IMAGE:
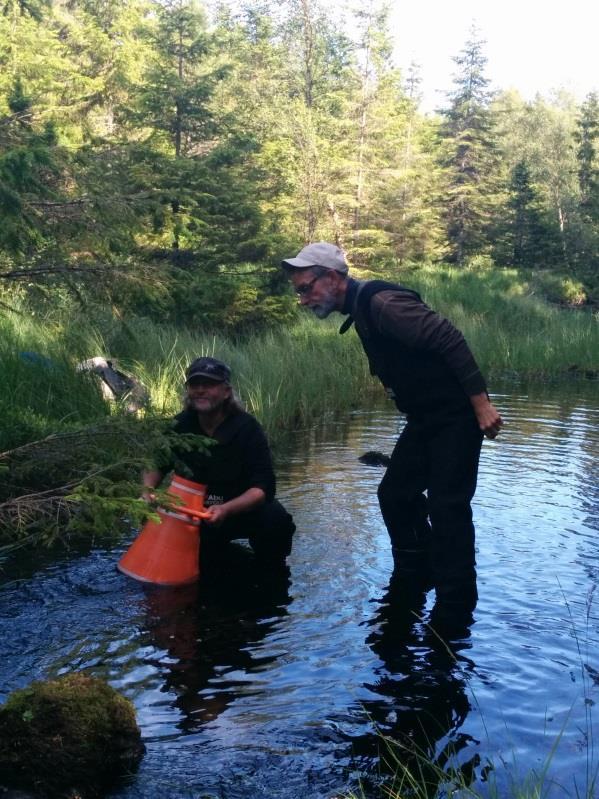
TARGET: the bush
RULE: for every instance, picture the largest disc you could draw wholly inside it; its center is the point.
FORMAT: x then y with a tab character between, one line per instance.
559	289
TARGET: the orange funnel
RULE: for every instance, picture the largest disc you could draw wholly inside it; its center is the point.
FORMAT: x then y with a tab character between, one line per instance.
167	552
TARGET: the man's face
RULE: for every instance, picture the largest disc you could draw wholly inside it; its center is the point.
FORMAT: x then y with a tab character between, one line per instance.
317	292
207	396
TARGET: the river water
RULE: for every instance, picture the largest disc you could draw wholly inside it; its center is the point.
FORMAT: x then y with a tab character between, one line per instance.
285	691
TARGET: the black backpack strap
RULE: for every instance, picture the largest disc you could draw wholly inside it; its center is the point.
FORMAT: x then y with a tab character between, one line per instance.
347	323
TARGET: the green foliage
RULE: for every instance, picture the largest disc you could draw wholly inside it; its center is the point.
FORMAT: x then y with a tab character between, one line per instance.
469	155
527	238
587	137
78	481
559	289
541	135
31	164
174	96
152	151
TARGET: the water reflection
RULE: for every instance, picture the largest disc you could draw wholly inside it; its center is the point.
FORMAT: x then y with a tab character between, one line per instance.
205	632
241	691
419	699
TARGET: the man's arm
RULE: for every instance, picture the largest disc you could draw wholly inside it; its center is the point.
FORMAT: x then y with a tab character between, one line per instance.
258	474
414	323
488	417
401	316
247	501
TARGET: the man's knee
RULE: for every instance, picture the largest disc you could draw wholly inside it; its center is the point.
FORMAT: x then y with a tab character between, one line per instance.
273	531
393	504
449	512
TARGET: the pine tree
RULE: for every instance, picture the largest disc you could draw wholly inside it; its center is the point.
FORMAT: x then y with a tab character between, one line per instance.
540	133
379	85
587	238
319	78
469	154
30	167
201	154
56	91
390	213
527	235
587	137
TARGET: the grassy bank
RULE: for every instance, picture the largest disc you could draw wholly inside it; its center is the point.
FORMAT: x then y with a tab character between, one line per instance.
71	444
287	376
509	326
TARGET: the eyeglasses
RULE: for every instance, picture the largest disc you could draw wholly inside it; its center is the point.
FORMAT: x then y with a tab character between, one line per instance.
305	288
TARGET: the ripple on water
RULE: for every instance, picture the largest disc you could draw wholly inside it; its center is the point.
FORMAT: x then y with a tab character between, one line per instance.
246	691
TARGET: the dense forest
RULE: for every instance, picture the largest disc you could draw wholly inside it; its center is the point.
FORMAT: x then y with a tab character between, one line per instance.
149	149
158	159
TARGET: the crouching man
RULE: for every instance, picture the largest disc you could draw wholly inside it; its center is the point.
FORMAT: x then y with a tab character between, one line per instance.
237	469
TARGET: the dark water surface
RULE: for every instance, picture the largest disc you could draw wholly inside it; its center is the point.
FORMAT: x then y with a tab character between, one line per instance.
275	691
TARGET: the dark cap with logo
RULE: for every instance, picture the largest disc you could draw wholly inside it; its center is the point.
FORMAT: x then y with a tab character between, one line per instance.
210	368
321	253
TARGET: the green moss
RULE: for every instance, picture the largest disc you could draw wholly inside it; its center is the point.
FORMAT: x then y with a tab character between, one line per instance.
75	732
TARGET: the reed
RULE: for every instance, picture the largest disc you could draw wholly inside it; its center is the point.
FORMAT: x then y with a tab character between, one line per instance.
41	390
286	376
510	329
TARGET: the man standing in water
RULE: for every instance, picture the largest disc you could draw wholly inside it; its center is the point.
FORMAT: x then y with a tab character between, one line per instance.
236	469
426	366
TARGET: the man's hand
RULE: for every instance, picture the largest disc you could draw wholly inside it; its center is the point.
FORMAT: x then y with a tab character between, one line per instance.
217	514
488	417
150	479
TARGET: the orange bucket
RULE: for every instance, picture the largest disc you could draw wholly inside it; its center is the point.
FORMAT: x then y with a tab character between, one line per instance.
167	552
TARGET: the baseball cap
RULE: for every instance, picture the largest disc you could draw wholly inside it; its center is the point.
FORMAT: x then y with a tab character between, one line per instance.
211	368
320	253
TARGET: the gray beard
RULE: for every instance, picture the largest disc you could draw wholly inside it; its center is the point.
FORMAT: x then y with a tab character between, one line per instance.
209	407
322	311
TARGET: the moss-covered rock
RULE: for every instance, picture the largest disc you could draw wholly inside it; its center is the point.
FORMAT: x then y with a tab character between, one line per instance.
71	736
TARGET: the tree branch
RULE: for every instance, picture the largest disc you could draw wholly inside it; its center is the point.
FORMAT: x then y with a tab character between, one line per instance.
26	274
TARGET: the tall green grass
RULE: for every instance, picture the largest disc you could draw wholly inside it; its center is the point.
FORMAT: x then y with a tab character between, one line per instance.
40	390
286	376
510	329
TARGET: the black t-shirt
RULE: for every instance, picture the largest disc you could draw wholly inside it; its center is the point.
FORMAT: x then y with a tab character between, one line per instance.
240	459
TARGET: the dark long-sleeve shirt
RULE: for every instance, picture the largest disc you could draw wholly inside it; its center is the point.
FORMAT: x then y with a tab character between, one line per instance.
413	350
240	459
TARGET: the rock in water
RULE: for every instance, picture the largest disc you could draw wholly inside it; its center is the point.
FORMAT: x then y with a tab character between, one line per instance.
71	736
374	458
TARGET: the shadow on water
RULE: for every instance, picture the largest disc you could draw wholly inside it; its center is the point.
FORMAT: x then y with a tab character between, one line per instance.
419	700
296	688
203	632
